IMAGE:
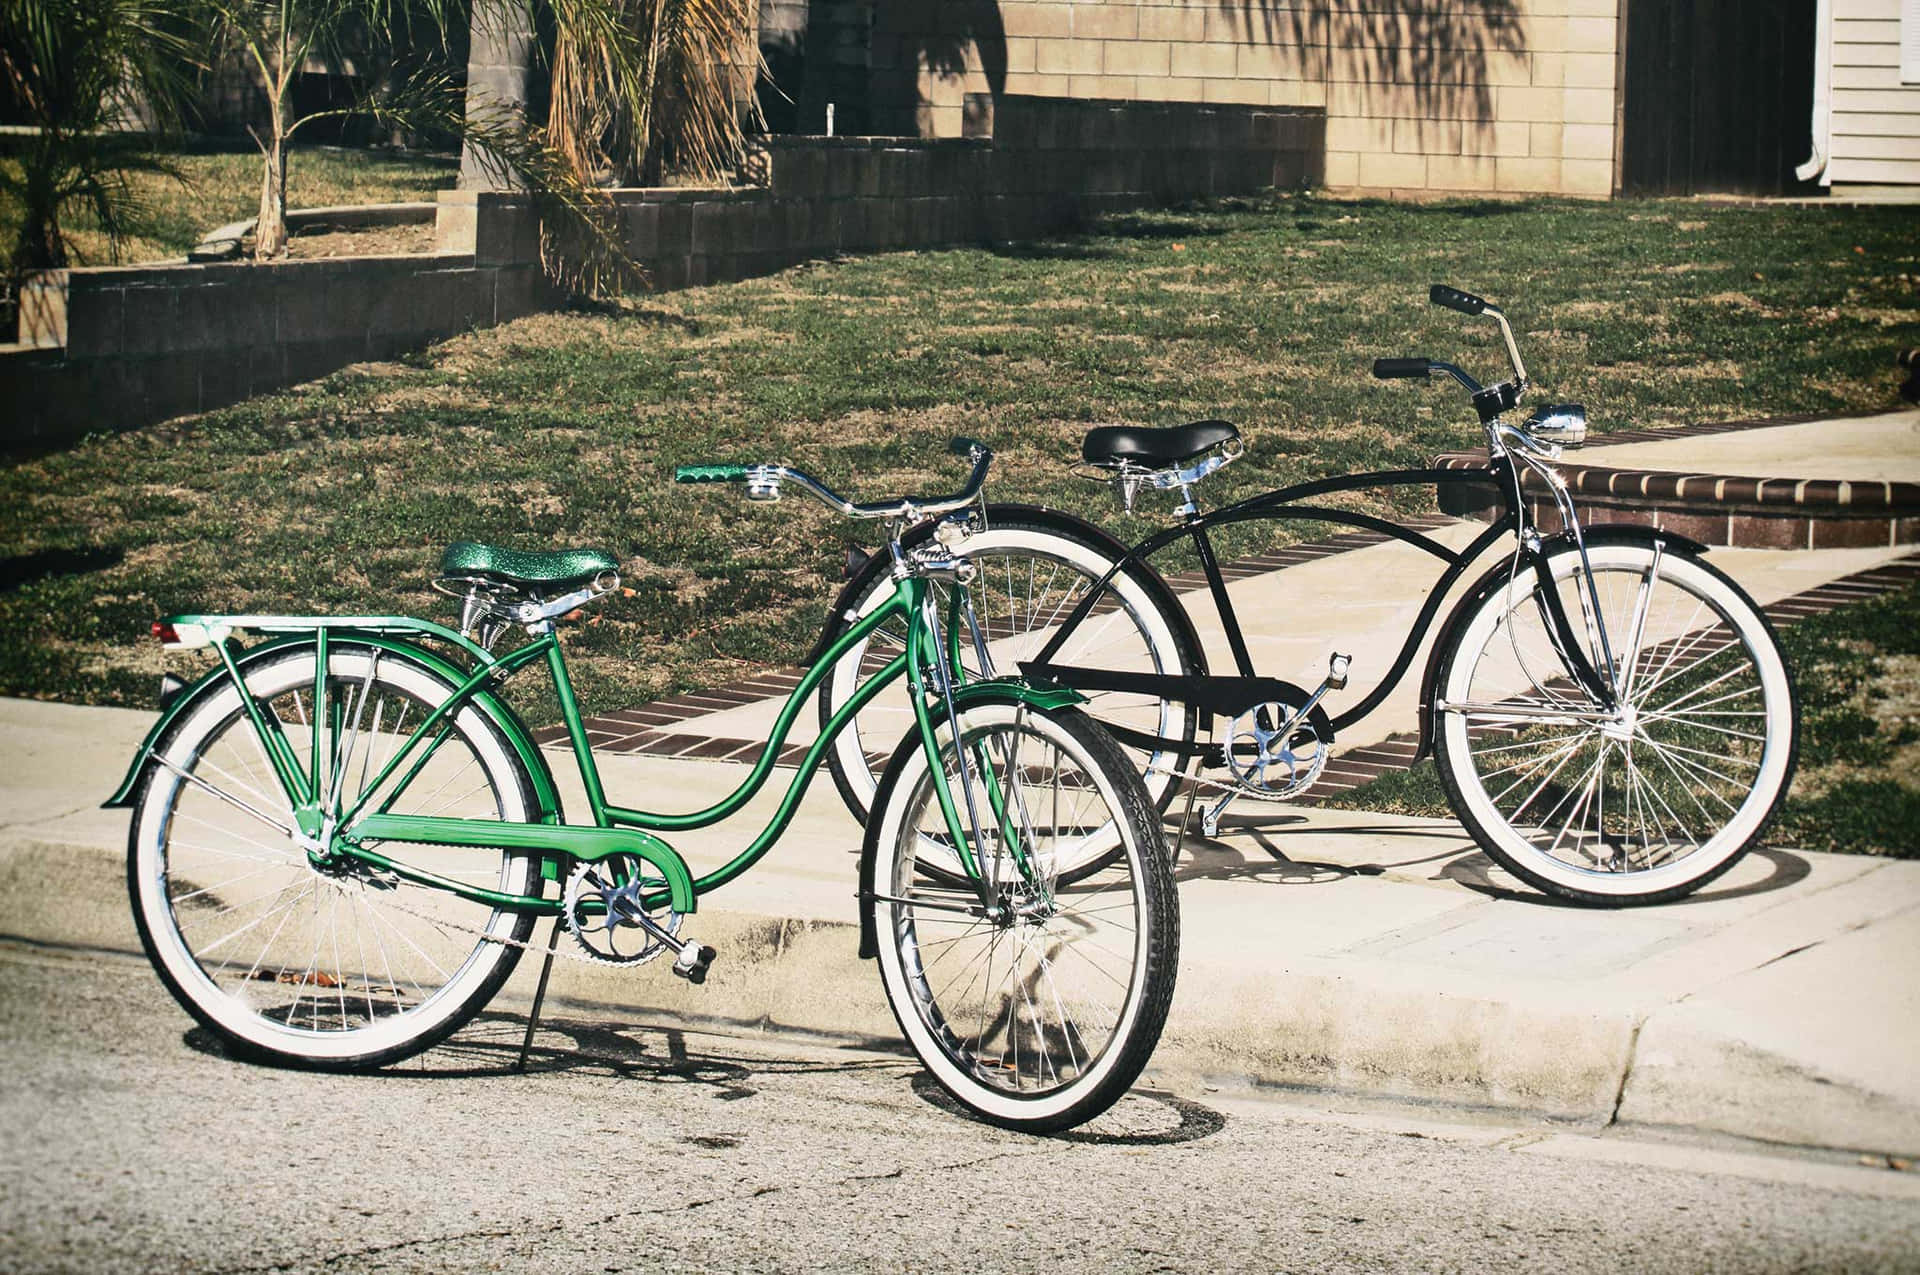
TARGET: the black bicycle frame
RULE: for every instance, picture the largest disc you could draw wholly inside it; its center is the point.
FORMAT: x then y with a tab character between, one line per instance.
1230	696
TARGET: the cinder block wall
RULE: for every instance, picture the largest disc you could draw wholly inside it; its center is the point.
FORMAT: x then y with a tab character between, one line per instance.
119	347
1441	96
1050	164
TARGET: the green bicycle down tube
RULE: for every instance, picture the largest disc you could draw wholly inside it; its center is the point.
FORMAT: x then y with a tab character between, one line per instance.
757	778
462	695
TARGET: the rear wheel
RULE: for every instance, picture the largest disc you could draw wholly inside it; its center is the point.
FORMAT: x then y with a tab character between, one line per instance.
290	957
1639	805
1038	1011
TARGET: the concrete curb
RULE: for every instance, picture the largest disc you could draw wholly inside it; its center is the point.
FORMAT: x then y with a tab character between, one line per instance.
1362	1022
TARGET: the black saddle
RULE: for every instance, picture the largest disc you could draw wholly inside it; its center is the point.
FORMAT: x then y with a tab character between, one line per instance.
1154	448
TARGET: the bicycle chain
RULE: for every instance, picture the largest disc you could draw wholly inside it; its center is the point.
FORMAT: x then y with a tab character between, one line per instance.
585	958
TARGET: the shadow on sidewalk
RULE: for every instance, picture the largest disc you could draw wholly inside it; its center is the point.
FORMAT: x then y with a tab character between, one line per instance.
1258	852
1476	872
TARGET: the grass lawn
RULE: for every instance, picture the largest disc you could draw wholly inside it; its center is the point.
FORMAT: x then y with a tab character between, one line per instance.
1858	674
560	429
225	188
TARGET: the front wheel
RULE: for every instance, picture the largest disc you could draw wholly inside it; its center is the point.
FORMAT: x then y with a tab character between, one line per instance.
1643	803
300	958
1037	1008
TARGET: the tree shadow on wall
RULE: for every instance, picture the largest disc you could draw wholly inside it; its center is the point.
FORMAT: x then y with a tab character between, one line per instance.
1423	59
1423	56
866	59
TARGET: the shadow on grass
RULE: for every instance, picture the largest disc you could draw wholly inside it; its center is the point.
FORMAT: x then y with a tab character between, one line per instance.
1148	226
28	568
634	312
1088	249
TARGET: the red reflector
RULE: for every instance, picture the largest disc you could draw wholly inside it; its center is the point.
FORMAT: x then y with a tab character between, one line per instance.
165	632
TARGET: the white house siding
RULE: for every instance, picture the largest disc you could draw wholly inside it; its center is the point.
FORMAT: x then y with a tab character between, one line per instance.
1875	118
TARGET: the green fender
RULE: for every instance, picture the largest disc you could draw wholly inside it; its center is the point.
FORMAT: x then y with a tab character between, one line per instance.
999	690
1012	690
546	795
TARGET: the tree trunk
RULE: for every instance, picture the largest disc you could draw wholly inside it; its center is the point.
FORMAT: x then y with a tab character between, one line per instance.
270	226
501	55
39	245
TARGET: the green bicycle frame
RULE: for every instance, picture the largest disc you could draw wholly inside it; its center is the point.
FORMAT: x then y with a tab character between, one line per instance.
616	829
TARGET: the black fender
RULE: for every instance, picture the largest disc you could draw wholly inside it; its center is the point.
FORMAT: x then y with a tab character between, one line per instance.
519	737
1141	571
997	691
1496	577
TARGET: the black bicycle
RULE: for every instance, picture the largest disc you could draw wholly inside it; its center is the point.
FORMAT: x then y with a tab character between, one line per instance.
1611	715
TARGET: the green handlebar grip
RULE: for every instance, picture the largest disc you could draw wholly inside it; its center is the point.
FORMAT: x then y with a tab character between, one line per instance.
710	474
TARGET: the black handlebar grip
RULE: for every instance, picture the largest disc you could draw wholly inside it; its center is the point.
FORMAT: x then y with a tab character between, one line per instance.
962	446
1454	299
1394	369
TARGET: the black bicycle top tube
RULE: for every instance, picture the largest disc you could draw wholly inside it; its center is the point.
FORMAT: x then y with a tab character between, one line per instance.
1246	512
1266	505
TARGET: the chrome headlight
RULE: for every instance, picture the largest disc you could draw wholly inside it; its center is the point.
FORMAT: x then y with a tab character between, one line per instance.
1564	424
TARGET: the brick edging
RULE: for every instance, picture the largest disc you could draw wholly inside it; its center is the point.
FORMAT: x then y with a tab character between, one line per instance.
1715	509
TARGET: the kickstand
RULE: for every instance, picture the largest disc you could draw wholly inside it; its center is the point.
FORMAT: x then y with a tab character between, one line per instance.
539	995
1193	791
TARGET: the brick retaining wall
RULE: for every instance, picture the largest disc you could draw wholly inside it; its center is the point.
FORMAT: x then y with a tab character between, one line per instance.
1050	165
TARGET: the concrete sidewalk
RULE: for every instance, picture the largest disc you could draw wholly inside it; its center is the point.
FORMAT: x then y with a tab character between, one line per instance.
1354	952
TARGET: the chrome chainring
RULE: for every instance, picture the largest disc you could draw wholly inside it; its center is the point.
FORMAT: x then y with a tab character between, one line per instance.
1270	761
603	902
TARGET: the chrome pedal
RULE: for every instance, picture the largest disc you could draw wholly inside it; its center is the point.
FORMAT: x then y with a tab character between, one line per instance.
693	961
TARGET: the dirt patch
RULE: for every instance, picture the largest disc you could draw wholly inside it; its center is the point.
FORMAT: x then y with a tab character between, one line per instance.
374	241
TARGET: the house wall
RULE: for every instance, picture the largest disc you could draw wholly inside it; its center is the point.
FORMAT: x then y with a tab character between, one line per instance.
1420	96
1875	119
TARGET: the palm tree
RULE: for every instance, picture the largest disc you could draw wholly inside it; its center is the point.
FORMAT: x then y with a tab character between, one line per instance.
642	85
635	84
96	80
279	39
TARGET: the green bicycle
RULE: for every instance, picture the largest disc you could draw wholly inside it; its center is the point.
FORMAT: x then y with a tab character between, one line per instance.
342	836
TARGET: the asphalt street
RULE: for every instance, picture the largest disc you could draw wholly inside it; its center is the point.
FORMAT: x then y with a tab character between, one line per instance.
128	1143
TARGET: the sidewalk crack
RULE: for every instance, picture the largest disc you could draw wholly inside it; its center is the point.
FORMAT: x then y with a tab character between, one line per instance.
1626	1072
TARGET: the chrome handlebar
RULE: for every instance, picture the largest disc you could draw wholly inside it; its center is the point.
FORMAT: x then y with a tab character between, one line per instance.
764	483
